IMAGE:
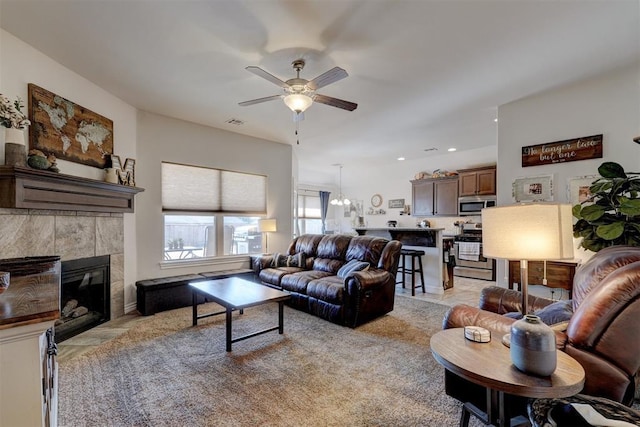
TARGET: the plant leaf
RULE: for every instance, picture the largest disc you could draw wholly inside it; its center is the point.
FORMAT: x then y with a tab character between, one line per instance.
592	212
610	231
575	211
630	207
611	170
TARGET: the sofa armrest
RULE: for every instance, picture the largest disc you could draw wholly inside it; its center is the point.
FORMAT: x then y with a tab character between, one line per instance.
463	315
363	280
260	262
501	300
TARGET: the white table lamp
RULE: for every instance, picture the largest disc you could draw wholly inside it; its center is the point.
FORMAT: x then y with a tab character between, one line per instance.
267	226
528	232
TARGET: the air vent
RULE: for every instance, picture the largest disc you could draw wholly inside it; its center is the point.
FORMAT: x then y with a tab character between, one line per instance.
236	122
431	149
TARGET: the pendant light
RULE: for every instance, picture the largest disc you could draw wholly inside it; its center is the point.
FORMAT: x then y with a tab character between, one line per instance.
341	199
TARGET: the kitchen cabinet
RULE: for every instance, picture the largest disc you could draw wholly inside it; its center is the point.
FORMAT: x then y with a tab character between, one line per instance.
477	181
559	274
435	197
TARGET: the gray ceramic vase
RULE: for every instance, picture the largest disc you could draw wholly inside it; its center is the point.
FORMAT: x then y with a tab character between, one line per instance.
533	346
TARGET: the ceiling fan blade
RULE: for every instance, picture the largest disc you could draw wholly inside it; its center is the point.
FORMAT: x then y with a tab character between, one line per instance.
259	100
335	102
331	76
267	76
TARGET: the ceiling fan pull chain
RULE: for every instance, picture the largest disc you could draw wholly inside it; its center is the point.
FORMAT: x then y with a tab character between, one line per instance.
297	138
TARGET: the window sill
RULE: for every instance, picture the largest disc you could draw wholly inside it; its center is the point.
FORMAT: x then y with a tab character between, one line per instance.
201	262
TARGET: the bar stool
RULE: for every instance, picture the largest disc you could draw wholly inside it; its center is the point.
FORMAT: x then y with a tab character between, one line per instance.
403	269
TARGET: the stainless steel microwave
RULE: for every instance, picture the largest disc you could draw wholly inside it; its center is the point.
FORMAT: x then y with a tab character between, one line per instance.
473	205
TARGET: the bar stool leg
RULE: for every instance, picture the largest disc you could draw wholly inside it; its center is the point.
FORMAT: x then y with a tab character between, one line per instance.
413	275
421	274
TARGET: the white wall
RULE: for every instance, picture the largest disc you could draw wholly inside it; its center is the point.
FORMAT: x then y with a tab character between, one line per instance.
21	64
162	138
607	104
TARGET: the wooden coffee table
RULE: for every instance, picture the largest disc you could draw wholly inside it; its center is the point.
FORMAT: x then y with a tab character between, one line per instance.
234	293
489	365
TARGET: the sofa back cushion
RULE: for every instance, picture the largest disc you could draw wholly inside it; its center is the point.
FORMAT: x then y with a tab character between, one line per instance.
331	252
366	248
591	274
306	244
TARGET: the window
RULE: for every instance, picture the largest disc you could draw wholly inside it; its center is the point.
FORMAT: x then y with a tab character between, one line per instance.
210	212
309	217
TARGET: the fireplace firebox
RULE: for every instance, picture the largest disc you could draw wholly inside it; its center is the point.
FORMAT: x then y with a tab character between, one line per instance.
85	300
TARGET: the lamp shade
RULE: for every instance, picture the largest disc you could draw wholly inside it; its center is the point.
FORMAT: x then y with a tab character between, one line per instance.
266	225
535	232
298	102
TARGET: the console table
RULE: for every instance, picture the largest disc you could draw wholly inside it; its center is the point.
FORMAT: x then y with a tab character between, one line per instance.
559	274
489	366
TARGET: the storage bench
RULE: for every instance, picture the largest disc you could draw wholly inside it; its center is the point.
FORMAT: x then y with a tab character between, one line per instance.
167	293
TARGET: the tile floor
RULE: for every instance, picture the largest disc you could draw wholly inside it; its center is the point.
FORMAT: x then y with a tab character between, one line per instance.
465	291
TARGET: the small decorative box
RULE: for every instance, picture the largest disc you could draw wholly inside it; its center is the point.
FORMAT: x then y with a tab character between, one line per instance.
477	334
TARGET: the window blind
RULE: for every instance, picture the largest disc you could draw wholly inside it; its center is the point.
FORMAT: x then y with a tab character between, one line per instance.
309	207
195	188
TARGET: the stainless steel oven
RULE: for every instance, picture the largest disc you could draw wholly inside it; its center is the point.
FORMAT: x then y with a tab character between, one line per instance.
470	261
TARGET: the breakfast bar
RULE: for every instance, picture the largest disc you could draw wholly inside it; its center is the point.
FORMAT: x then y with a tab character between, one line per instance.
429	240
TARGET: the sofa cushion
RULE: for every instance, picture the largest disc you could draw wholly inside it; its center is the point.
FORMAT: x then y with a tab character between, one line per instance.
297	282
273	276
329	289
295	260
331	253
351	267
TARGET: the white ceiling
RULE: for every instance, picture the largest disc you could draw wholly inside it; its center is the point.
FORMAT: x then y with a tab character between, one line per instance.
425	74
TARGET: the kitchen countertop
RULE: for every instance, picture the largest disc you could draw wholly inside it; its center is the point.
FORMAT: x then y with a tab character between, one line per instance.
400	228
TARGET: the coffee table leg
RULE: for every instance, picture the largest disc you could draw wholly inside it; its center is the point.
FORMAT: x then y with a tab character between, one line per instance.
229	311
280	317
194	297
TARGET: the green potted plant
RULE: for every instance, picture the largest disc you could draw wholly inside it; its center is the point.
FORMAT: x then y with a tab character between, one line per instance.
611	214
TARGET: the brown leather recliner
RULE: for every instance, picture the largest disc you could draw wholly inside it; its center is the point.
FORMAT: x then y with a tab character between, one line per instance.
603	333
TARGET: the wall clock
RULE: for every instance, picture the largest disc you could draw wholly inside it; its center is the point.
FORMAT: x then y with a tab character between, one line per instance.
376	200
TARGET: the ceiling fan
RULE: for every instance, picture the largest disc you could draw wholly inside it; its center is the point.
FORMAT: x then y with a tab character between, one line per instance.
299	93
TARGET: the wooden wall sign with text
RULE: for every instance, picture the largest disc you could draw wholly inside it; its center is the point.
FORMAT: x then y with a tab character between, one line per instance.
570	150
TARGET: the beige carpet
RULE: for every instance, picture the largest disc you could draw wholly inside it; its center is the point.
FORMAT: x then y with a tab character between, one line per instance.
165	372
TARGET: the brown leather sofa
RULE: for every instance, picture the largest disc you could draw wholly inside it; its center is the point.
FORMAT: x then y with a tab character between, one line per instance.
603	334
315	286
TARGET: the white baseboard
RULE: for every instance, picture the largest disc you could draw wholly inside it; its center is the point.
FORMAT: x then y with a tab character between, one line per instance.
128	308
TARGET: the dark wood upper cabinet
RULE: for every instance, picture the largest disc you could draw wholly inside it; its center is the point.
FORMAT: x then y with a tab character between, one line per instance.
435	197
23	187
477	181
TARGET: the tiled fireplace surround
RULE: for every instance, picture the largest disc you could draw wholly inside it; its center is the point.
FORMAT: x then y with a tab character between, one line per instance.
69	234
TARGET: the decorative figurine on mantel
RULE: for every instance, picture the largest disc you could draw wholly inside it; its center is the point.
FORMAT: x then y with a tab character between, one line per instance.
38	160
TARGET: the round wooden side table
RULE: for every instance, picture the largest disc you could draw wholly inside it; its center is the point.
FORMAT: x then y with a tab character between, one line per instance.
489	365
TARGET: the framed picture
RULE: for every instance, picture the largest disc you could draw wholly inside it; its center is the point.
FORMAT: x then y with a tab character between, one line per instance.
578	188
396	204
67	130
533	189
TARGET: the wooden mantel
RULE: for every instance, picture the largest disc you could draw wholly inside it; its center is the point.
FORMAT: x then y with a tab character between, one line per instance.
26	188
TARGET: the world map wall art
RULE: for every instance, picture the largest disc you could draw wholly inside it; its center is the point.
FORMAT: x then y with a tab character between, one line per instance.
67	130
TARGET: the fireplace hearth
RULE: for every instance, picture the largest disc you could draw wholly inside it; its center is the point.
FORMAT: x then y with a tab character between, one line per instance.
85	296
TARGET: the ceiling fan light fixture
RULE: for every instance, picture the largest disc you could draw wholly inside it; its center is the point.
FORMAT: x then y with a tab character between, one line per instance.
298	102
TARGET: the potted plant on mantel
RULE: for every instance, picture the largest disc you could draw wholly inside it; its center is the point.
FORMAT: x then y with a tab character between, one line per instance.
611	214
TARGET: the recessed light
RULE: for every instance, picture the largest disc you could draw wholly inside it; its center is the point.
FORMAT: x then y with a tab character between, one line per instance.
401	158
452	149
495	120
